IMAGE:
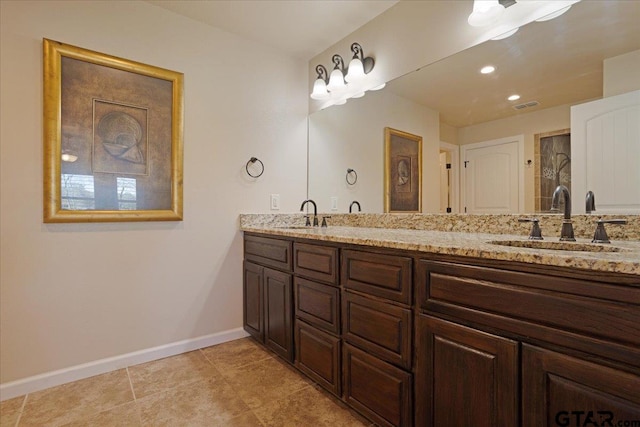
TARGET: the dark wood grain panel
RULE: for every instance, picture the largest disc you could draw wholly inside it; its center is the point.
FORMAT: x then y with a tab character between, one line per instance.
381	329
252	307
278	313
386	276
269	252
564	390
464	377
318	355
508	294
316	262
377	389
317	304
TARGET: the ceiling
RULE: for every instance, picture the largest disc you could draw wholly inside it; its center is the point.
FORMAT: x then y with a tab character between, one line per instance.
301	29
555	63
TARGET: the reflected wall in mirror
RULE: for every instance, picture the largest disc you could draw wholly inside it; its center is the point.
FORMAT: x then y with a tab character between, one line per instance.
590	52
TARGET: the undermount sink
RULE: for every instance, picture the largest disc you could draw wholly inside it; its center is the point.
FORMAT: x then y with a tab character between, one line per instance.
557	246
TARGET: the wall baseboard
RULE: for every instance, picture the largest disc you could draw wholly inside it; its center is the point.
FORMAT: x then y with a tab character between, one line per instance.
86	370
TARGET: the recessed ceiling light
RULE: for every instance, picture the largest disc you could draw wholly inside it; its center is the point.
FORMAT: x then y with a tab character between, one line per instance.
488	69
513	97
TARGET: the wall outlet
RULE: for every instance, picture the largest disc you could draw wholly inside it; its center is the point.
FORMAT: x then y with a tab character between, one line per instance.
275	202
334	203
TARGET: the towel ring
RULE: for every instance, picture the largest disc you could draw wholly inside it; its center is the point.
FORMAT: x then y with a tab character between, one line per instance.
253	160
354	179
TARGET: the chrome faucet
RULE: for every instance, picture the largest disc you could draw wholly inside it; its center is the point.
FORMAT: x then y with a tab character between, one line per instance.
355	202
590	202
566	234
315	212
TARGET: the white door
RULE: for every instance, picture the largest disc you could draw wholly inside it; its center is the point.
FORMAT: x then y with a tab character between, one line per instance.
605	154
493	179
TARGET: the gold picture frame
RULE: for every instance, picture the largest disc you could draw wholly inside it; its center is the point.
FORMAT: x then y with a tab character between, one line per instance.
402	172
113	138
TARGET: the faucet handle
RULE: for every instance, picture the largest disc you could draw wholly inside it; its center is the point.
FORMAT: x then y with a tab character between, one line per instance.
536	232
324	221
307	223
600	235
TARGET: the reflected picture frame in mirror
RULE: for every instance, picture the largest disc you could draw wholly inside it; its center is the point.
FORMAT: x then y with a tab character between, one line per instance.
402	172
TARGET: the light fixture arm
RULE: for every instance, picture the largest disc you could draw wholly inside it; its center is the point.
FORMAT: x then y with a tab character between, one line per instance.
322	73
339	63
367	63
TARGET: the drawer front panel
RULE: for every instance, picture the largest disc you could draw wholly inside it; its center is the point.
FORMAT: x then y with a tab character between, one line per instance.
316	262
386	276
270	252
377	389
318	304
614	315
381	329
318	356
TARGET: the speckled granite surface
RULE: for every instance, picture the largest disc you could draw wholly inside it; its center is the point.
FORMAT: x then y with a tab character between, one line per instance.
459	237
583	225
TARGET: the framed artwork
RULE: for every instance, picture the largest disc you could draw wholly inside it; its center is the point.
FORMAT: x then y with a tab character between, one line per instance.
402	171
112	138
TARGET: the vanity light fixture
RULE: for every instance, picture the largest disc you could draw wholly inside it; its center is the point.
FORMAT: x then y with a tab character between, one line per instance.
514	97
488	12
485	12
345	82
488	69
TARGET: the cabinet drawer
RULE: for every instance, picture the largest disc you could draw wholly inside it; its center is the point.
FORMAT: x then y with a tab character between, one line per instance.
377	389
590	316
318	356
386	276
267	251
316	262
381	329
318	304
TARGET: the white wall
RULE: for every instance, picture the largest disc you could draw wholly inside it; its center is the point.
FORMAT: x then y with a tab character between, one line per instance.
352	136
621	74
76	293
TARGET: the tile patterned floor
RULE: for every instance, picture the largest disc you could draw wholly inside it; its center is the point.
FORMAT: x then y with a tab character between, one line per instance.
235	384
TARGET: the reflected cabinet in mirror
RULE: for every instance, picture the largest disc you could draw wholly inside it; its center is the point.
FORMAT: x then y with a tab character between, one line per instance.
576	122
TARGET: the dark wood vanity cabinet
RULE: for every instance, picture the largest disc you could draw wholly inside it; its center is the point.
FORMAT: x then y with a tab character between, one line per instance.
317	311
268	294
377	330
429	340
574	342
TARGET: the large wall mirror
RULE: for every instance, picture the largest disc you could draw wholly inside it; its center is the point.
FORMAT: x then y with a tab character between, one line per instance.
459	112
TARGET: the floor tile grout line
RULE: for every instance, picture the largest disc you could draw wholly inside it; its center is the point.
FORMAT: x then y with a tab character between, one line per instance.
24	403
131	384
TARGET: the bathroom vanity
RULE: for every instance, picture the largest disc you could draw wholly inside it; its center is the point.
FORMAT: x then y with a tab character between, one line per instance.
432	328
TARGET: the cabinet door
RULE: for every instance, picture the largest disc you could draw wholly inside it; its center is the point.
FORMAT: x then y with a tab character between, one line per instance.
317	304
252	306
379	328
278	313
377	389
318	356
464	377
561	390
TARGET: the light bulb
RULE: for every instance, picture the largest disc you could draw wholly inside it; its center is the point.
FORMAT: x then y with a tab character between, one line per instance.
485	12
320	90
356	71
336	81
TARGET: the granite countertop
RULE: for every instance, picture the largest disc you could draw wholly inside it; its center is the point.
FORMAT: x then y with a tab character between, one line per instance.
477	245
